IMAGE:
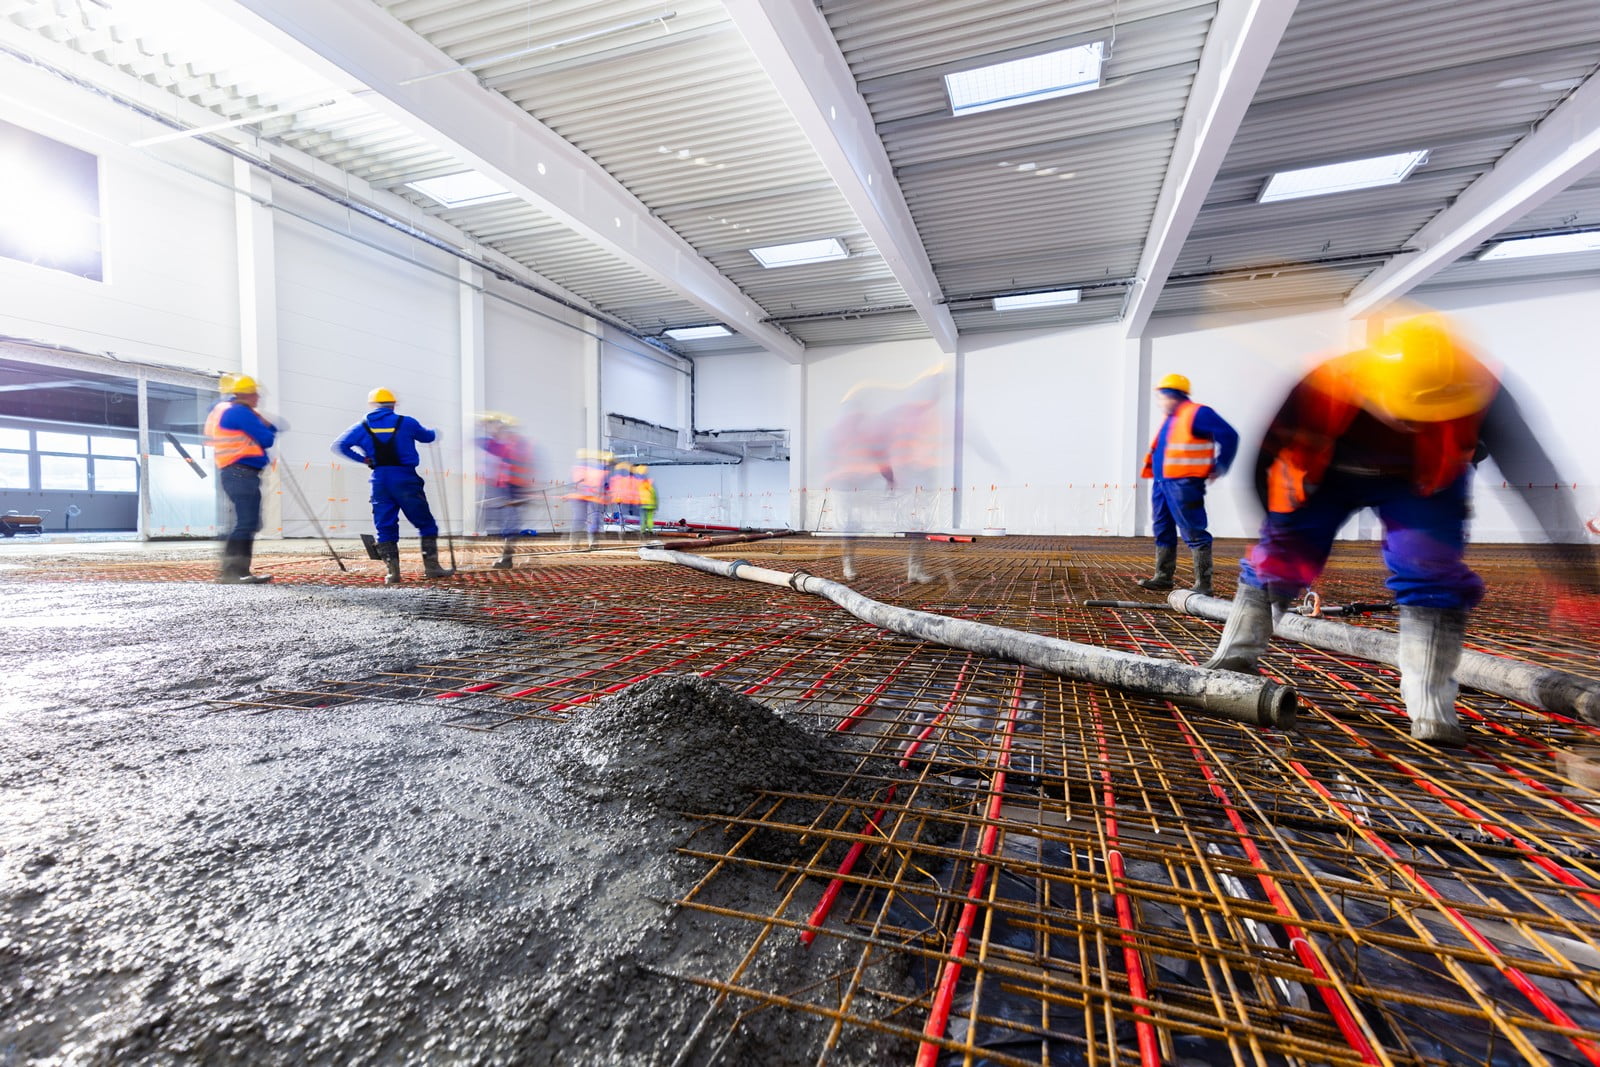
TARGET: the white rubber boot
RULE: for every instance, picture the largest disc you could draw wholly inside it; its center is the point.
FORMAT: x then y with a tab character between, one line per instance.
1246	633
1430	649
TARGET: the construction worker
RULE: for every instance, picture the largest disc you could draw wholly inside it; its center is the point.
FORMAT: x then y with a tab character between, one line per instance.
387	442
1395	427
588	493
648	500
623	491
1193	448
509	479
239	438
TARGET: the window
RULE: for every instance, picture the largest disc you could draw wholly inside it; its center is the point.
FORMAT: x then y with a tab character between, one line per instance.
116	475
63	472
790	255
115	446
76	444
49	203
11	437
1022	81
1342	177
14	471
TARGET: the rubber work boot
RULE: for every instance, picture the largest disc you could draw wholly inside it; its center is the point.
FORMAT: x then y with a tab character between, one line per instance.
1430	649
1245	636
505	562
1202	570
235	568
389	552
431	567
1166	564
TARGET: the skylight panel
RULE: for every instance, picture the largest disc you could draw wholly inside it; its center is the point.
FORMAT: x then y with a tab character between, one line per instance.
791	255
1036	300
459	190
1551	245
1022	81
698	333
1342	177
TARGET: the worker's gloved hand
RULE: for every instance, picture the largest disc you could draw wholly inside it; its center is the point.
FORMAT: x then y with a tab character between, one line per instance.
1575	609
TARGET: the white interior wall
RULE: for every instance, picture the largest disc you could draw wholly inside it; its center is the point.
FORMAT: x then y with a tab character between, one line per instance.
642	386
745	391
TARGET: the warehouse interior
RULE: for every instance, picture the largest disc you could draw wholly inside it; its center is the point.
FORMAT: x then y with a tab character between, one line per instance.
733	792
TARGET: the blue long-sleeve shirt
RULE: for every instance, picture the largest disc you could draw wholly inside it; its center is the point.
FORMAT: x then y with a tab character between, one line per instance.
1207	423
359	443
243	418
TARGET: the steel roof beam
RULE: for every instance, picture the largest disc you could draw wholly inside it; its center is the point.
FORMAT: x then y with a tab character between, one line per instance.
491	134
1564	148
1242	39
792	41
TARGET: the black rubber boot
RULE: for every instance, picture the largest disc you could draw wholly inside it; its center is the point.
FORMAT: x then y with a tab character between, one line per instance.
229	571
1245	636
389	552
1166	564
1202	570
505	562
247	551
1430	649
431	567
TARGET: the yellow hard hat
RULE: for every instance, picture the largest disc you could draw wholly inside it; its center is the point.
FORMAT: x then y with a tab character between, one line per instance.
1419	371
238	385
640	468
380	395
1174	381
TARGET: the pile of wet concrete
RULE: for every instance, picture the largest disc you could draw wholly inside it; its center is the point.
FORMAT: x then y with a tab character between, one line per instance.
363	885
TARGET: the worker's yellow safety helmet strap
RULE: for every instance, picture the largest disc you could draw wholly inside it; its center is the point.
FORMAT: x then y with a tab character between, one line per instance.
1419	371
237	385
1174	381
380	395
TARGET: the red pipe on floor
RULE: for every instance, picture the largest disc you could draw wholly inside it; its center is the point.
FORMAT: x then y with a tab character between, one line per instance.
945	990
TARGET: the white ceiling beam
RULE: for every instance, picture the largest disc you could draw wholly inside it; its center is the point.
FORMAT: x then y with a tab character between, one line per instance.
1564	147
489	133
1241	42
792	41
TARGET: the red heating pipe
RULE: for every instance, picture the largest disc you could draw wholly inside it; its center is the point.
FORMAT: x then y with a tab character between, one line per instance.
939	1017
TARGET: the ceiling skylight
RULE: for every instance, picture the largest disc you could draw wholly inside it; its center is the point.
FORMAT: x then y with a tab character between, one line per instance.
1551	245
698	333
1036	300
790	255
1342	177
458	190
1022	81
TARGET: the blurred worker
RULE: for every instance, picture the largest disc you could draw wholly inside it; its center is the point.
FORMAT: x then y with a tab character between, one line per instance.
648	500
623	491
588	493
239	438
885	445
1193	448
1394	427
509	479
387	442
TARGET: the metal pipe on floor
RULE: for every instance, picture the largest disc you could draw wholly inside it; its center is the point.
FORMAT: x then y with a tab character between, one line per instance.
1244	698
1543	687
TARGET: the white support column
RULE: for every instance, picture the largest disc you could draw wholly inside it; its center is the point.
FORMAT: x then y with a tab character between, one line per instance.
258	316
142	522
958	441
473	393
1135	436
593	417
799	443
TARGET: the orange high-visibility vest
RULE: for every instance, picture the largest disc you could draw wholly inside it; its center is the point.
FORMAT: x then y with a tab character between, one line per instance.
1186	456
624	488
589	483
229	446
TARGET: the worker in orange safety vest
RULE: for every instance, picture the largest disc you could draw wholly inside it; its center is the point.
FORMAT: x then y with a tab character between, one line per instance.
239	438
1193	448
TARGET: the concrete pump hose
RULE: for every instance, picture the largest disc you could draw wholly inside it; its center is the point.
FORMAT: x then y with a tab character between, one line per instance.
1241	697
1544	687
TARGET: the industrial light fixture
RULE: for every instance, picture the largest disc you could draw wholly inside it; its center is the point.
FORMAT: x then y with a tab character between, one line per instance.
1547	245
790	255
459	190
1342	177
1022	81
1037	300
549	46
698	333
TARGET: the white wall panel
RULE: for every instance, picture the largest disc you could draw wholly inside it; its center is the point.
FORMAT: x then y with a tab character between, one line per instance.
745	391
753	493
533	369
642	387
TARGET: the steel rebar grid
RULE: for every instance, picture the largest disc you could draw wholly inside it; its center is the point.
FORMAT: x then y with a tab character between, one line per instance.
1338	895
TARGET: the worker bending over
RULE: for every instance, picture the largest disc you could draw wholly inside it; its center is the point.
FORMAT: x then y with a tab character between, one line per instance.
1193	448
1395	427
387	442
239	439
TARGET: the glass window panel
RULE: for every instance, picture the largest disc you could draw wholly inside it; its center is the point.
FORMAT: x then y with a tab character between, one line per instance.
115	446
76	443
63	472
116	476
14	470
12	437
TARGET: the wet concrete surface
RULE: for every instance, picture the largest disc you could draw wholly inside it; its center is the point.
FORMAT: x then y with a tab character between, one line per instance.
358	884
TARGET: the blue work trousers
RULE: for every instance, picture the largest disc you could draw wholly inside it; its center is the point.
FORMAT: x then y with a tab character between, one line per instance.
242	486
1424	538
1179	505
396	490
586	515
